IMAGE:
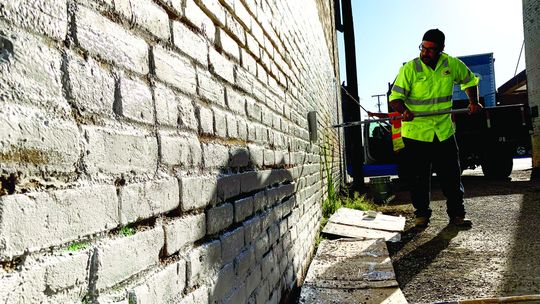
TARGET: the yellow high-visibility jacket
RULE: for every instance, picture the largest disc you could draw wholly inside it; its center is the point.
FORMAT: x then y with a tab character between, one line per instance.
426	90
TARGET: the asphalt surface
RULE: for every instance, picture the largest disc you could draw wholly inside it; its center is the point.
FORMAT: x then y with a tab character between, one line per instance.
499	256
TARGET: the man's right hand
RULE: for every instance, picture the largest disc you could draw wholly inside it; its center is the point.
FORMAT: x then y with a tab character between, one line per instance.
407	115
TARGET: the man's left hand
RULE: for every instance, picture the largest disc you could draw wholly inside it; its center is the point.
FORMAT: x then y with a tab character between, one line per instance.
474	108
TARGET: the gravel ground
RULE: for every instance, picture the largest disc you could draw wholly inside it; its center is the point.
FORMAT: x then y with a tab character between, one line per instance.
499	256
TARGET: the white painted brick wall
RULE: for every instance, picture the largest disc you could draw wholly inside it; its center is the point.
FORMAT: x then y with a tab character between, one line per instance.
38	220
126	256
180	115
108	40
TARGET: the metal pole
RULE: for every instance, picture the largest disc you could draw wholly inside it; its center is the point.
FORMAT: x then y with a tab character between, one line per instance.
354	153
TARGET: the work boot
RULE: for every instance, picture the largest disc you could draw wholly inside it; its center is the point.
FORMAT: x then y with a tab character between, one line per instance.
421	222
461	221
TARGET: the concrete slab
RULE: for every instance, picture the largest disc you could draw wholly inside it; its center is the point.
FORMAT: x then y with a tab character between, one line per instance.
340	230
351	271
368	219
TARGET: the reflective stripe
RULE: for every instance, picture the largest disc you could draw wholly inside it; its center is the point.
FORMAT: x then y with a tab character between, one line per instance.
396	135
418	64
445	63
431	101
467	79
400	90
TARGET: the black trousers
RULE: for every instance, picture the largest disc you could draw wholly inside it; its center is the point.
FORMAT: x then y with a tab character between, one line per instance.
421	159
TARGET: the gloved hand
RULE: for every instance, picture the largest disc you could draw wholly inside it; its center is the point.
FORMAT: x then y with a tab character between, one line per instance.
474	108
407	115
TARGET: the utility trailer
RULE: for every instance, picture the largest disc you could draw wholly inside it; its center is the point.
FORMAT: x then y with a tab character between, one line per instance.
487	139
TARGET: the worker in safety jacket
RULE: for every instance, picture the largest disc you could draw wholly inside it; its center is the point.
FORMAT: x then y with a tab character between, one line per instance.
425	84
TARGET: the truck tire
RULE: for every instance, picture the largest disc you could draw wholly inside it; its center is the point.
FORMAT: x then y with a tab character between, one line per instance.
497	165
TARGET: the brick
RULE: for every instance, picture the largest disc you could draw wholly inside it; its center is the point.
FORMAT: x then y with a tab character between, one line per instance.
242	129
221	66
249	63
190	43
106	39
244	261
242	14
239	157
242	209
235	28
253	280
244	79
254	49
180	149
175	70
67	271
225	282
182	231
145	14
219	218
210	89
38	15
228	186
143	200
24	286
166	106
253	110
256	154
232	126
220	123
165	286
205	117
228	45
261	247
122	258
34	74
236	102
92	87
42	219
232	243
197	192
195	16
273	233
269	157
259	201
215	155
136	101
36	142
238	295
203	261
115	151
214	9
252	229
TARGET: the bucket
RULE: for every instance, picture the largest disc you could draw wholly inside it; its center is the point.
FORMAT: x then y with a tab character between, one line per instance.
381	189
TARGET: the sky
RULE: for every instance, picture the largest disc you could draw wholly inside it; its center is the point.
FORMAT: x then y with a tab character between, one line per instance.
388	32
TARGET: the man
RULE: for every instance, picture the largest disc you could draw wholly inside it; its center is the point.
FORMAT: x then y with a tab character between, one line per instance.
425	84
